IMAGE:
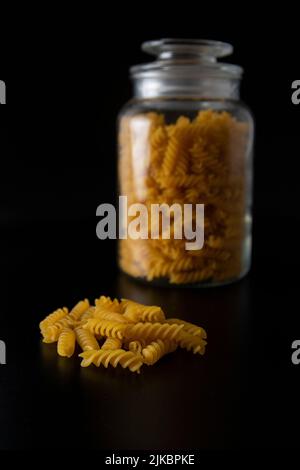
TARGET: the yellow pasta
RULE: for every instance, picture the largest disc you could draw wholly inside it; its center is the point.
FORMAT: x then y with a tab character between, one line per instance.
136	346
190	328
66	343
109	315
108	304
112	343
201	160
131	333
78	310
137	312
113	357
108	328
149	331
53	317
190	342
87	314
86	339
156	349
52	332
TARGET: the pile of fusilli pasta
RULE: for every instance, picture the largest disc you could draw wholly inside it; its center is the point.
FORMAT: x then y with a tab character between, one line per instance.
188	162
113	332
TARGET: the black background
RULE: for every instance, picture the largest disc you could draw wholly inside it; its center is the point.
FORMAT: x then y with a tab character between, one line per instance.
65	85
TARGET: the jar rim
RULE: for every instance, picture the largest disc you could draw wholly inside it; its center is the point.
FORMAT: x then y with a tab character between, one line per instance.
186	58
196	46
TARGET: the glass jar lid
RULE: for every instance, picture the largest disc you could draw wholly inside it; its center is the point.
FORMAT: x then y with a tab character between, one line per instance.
186	58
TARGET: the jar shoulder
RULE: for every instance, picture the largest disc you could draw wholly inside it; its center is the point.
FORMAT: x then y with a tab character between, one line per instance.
176	107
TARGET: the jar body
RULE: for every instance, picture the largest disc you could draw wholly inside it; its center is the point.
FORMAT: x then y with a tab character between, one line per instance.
188	151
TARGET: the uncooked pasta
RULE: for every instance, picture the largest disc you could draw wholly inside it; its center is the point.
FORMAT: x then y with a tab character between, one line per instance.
66	342
125	333
190	161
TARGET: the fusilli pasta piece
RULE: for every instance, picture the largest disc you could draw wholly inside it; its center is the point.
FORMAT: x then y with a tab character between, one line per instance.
151	331
52	332
79	309
86	339
108	304
111	343
194	343
87	314
190	328
156	349
108	328
66	343
109	315
136	346
126	359
142	313
53	317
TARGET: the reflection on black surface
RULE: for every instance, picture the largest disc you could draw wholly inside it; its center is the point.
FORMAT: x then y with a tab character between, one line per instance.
223	311
204	390
184	401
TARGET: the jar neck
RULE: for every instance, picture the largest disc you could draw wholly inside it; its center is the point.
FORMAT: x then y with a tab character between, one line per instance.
203	87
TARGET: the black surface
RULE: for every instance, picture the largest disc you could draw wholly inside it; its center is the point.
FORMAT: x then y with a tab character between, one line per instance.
242	393
57	165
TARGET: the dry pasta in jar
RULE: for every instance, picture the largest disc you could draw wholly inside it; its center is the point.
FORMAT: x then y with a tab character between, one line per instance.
177	149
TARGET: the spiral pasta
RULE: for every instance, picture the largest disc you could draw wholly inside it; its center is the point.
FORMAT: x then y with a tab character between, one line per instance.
194	343
79	309
150	331
136	345
156	349
102	314
53	318
86	339
200	160
51	333
89	313
137	312
190	328
108	304
66	343
125	332
114	357
112	329
112	343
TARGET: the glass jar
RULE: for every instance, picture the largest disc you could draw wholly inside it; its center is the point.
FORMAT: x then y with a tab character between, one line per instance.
186	138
